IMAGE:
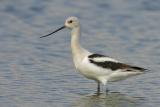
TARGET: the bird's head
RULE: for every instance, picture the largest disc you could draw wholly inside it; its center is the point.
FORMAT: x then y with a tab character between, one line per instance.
71	23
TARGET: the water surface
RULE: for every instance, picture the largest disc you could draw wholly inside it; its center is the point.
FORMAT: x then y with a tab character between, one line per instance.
38	72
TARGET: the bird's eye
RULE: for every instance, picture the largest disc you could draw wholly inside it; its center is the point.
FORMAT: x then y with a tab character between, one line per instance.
70	21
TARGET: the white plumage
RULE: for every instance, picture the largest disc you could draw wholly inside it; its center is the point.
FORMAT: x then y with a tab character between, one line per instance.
97	67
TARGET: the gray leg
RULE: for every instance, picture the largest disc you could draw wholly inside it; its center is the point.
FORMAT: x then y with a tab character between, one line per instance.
107	90
98	87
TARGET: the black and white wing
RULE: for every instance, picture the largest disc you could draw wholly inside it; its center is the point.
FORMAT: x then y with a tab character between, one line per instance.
112	64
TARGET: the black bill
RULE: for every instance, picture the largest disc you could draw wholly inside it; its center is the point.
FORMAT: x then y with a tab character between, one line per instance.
53	32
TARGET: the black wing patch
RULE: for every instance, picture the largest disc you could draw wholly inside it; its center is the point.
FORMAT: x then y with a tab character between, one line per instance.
138	68
116	65
96	55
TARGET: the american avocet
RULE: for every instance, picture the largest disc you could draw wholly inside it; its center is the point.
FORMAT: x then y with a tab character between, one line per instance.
93	66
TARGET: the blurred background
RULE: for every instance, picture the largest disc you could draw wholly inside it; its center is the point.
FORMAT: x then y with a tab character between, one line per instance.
38	72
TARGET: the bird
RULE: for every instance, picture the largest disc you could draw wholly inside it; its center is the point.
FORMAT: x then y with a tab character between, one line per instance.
94	66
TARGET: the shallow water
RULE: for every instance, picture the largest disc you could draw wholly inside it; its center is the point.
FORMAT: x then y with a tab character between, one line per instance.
38	72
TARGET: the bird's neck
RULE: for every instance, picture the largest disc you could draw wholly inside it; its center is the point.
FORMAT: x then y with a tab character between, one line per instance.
77	51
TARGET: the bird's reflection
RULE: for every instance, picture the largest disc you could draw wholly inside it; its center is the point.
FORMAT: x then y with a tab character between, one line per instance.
111	99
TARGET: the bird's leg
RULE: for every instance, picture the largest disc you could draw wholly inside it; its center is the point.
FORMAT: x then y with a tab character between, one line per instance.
98	88
107	90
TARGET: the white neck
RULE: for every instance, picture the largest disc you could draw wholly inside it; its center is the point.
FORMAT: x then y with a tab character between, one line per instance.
77	51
